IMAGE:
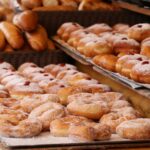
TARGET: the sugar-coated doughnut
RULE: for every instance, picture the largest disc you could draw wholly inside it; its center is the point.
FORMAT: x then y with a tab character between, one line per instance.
141	72
145	47
60	127
87	105
47	112
121	28
134	129
91	88
139	31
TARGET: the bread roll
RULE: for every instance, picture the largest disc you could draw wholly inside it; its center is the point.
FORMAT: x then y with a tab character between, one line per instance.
30	4
12	34
26	20
50	3
38	39
2	40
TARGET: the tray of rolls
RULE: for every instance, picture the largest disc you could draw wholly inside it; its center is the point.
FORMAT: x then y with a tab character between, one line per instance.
57	105
121	51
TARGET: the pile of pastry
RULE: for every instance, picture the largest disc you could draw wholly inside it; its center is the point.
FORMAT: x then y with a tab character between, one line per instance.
62	5
66	102
110	47
24	34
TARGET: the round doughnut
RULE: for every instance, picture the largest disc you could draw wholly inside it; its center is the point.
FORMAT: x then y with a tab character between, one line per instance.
24	129
26	65
122	60
112	120
106	61
89	131
31	102
96	47
145	47
99	28
55	69
5	65
47	112
60	127
66	29
76	36
121	28
134	129
139	31
126	45
119	104
91	88
64	26
87	105
141	72
25	89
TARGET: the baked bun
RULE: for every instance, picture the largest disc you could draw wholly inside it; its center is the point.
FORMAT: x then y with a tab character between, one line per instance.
135	129
38	39
26	21
106	61
99	28
121	28
30	4
50	3
3	42
145	47
141	72
139	31
10	31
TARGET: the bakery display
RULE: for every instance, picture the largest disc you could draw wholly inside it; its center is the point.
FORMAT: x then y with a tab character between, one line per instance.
118	49
61	5
85	112
26	32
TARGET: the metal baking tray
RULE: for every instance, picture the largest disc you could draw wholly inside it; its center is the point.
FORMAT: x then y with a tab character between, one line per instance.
87	61
45	139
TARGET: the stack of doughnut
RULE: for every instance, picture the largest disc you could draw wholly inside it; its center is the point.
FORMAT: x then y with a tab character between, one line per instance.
61	5
24	34
66	102
109	46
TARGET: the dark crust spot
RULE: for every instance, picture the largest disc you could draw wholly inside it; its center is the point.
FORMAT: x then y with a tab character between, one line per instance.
62	65
124	38
140	59
139	26
34	66
27	83
62	86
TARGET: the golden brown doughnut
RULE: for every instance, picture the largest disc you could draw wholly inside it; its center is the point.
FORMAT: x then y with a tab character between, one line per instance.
122	60
141	72
145	47
9	30
134	129
38	39
139	31
31	102
99	28
47	112
106	61
60	127
55	69
26	21
87	105
121	28
91	88
23	89
30	4
24	129
126	45
99	46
